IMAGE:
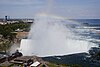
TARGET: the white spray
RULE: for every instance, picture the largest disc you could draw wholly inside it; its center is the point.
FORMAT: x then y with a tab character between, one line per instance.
50	36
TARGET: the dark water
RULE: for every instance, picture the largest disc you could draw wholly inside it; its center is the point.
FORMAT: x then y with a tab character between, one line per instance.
93	27
89	21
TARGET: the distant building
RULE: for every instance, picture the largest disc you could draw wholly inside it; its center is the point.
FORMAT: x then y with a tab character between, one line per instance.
28	20
3	23
8	20
20	20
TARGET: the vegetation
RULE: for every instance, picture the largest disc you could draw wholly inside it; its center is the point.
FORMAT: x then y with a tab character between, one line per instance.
6	30
5	44
7	34
62	65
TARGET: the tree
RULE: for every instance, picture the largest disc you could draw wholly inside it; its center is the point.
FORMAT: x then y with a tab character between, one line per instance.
5	44
6	31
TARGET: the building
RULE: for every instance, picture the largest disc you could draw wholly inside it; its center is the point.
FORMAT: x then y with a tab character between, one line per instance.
35	64
8	20
31	61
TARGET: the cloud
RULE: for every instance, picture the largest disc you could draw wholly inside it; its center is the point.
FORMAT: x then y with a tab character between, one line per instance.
20	2
67	8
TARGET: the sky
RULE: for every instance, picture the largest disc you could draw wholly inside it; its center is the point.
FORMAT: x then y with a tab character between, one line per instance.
73	9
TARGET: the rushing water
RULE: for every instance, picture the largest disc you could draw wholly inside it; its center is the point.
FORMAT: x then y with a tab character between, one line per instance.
53	35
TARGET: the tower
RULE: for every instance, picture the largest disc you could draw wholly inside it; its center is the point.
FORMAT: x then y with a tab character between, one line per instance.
6	18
